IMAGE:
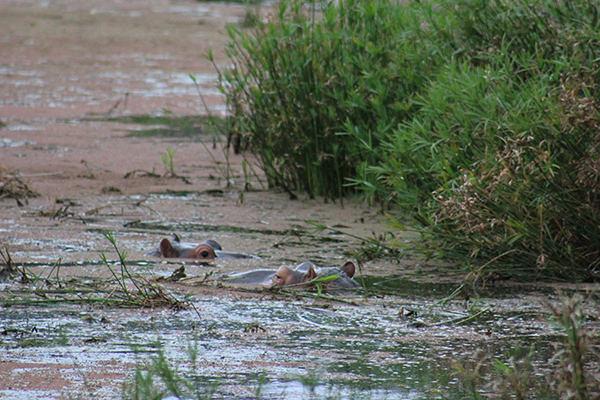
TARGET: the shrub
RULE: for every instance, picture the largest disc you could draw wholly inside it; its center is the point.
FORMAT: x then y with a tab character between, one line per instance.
479	118
500	161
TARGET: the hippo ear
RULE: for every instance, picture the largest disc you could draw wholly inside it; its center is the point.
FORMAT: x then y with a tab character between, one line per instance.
176	238
166	249
349	269
310	275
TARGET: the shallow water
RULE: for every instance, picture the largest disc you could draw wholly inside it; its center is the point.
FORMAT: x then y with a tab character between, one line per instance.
251	342
351	351
395	339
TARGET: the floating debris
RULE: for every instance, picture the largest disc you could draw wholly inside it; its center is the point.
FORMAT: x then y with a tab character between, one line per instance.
12	187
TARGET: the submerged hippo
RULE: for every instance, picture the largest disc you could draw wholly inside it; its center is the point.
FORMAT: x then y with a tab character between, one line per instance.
307	272
302	274
207	250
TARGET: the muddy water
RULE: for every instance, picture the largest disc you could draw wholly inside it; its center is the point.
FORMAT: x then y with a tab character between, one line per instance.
66	68
248	340
360	350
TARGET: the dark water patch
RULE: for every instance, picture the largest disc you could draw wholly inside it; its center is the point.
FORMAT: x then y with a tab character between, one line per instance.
406	287
306	385
186	227
188	194
509	291
169	126
393	375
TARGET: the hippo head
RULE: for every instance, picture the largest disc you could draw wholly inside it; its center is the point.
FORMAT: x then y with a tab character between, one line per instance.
203	251
287	276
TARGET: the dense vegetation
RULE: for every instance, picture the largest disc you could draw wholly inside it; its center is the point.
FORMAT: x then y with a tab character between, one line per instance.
478	117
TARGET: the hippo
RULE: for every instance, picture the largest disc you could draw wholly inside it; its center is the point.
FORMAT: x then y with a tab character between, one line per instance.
207	250
307	271
302	274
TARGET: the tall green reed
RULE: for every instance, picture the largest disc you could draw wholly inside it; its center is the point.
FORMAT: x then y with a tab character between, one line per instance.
316	88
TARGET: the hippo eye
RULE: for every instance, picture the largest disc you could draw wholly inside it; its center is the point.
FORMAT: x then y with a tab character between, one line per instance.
204	254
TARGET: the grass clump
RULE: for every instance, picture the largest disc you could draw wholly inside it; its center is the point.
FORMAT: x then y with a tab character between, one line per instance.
9	269
12	187
571	373
479	118
158	378
135	291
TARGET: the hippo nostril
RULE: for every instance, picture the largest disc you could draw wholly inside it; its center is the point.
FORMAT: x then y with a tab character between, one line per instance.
205	254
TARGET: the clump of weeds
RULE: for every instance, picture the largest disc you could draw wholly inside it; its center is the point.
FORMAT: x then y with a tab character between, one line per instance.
135	291
168	161
8	270
157	378
575	376
123	289
60	210
169	165
572	373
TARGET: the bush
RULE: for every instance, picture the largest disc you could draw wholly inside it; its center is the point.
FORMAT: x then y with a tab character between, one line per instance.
478	117
503	172
503	151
